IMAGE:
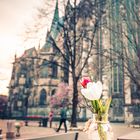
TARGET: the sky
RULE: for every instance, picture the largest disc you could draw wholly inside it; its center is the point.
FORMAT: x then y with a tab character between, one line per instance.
14	14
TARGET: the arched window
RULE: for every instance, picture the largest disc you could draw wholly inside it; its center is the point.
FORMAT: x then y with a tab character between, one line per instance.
44	69
53	92
43	96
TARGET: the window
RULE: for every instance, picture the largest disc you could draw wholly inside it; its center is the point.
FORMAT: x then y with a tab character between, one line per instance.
54	70
118	79
43	72
53	92
43	96
115	79
44	69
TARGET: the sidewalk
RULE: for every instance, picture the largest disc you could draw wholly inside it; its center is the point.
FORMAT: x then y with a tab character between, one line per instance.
33	130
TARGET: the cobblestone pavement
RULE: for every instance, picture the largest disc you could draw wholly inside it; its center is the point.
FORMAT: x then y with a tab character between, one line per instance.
33	129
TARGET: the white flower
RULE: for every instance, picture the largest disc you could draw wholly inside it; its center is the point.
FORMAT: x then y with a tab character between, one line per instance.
93	90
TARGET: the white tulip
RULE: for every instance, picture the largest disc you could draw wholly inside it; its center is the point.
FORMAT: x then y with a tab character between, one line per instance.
93	91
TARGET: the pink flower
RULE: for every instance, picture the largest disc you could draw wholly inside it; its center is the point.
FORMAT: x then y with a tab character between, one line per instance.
84	81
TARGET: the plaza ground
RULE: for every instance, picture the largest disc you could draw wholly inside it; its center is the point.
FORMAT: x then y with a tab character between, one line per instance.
33	130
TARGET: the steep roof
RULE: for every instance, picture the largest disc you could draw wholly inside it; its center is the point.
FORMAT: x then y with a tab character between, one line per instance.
54	30
30	52
47	44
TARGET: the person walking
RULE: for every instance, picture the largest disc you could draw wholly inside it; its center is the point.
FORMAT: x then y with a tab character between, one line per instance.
63	118
51	114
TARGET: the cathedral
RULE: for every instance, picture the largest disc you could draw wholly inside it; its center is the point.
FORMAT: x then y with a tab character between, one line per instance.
34	79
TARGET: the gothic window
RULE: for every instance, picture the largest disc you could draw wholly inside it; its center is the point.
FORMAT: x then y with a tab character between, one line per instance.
53	92
118	79
28	83
30	102
44	69
43	72
43	96
54	70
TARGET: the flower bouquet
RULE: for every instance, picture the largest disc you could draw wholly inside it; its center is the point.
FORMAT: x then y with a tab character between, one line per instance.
99	106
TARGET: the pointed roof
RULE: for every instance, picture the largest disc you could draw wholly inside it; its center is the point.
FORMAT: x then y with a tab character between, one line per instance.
56	13
30	53
54	30
55	20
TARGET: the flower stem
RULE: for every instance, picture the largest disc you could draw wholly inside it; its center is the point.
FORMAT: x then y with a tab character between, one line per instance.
101	132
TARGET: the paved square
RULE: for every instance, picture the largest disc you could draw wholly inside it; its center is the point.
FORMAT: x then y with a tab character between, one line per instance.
33	130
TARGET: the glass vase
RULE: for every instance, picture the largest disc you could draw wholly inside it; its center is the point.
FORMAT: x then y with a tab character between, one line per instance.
100	128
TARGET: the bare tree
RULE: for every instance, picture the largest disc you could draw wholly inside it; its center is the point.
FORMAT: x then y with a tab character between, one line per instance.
124	30
75	42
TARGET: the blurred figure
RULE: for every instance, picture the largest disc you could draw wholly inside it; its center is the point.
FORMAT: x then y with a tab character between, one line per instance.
51	114
63	118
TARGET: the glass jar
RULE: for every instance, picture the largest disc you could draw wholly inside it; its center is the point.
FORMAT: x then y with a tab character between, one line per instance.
100	128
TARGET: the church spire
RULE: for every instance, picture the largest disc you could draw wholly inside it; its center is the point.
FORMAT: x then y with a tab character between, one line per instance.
56	13
55	17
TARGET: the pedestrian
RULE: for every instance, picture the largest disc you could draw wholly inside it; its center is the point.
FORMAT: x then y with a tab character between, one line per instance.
51	114
63	118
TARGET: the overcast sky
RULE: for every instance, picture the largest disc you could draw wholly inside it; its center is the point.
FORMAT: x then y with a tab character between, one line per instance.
14	14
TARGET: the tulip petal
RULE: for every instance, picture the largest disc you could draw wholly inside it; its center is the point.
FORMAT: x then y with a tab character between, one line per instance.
87	94
93	90
84	81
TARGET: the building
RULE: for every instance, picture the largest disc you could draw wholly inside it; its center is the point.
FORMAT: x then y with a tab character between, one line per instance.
3	106
34	79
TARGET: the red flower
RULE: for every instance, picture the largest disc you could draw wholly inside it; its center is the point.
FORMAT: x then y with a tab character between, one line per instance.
84	81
